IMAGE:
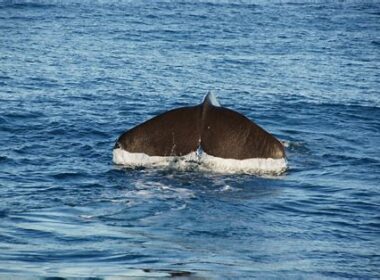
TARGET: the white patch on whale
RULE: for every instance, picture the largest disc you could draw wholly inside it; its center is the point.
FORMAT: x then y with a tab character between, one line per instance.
203	162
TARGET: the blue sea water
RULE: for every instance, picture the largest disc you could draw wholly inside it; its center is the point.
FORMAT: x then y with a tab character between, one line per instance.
75	74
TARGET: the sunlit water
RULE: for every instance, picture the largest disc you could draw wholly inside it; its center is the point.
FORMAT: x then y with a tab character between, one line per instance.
75	75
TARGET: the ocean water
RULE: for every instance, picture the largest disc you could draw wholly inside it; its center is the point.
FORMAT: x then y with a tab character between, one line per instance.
75	74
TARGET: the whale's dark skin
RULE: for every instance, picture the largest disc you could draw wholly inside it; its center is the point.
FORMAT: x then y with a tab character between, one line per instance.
218	131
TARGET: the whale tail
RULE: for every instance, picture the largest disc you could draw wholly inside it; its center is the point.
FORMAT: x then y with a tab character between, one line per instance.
218	131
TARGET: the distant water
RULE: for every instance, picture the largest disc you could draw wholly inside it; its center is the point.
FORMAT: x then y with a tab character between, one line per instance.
75	74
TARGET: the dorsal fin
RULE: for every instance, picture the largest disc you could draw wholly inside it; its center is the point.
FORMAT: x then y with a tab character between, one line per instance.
210	98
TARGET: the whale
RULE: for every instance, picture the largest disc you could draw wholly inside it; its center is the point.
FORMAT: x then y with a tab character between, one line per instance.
208	134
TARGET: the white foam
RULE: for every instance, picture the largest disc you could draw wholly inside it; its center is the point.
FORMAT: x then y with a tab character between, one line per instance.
202	162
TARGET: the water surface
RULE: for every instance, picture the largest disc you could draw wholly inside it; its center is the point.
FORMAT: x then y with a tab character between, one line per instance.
74	75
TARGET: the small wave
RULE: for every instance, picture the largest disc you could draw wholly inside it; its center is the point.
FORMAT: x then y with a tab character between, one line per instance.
27	4
169	273
203	162
66	175
3	158
24	115
5	78
147	189
296	146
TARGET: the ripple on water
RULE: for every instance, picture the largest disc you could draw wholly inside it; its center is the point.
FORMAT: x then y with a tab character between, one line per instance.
74	76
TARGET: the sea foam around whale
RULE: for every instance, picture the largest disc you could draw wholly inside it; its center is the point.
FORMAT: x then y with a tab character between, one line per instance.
202	162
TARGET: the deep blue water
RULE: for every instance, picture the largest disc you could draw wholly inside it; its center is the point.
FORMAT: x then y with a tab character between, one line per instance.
74	75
